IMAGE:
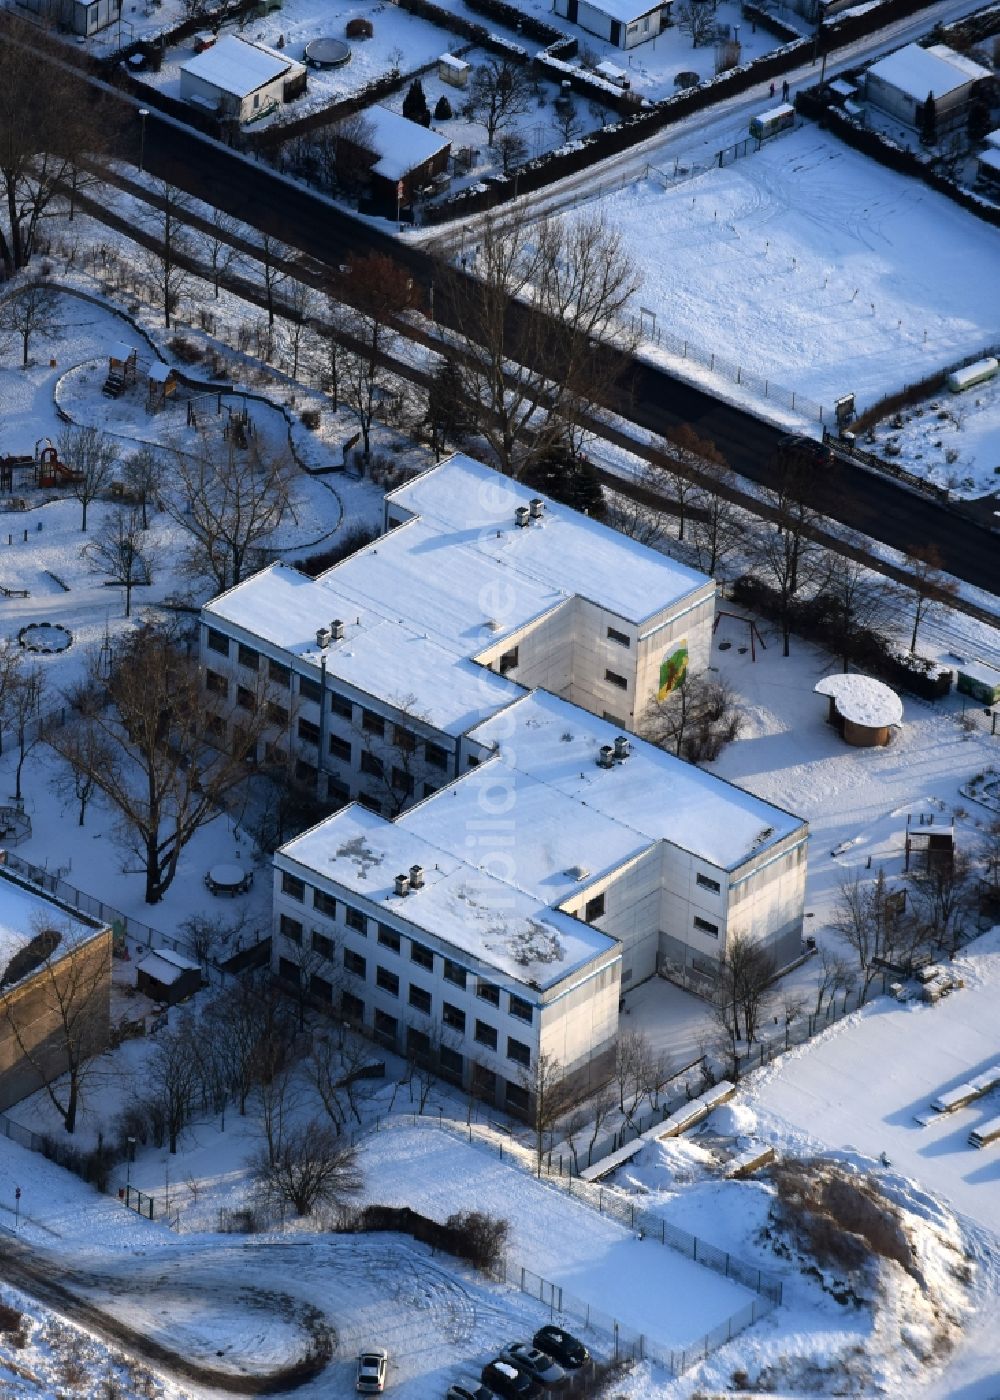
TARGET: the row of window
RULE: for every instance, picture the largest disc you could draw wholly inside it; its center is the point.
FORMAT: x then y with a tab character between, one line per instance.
387	937
419	1044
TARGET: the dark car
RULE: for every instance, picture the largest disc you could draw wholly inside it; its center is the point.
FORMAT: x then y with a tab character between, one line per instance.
538	1364
561	1346
468	1389
509	1382
805	451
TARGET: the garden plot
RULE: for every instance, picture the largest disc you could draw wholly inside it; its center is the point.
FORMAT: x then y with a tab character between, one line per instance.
811	266
952	440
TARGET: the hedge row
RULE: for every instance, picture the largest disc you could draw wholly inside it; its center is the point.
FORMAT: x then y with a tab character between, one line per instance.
771	24
820	619
516	20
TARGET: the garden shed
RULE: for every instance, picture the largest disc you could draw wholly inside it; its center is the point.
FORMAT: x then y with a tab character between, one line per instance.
404	156
240	80
900	84
980	680
167	977
864	710
623	23
454	70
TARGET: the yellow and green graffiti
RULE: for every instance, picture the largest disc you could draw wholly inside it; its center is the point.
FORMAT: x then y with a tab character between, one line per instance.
673	669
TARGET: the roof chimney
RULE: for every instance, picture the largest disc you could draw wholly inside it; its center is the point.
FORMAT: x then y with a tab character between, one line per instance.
536	507
416	877
521	516
402	884
606	756
622	748
323	635
337	630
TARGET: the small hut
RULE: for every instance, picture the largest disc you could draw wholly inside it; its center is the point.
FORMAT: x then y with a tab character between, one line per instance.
454	70
167	977
864	710
161	385
121	369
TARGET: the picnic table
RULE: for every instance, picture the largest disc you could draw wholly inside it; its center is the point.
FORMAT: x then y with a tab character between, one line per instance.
228	878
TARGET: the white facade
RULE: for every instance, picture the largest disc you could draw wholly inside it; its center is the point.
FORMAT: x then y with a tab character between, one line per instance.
900	84
240	80
622	24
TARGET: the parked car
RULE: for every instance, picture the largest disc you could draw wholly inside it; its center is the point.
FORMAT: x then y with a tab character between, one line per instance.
805	451
538	1364
509	1382
468	1389
561	1346
372	1366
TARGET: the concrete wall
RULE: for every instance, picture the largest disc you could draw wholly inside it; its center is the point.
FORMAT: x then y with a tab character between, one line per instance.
202	91
632	898
82	979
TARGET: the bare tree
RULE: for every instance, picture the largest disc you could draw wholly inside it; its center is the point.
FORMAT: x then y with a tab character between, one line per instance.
170	259
932	589
640	520
566	118
695	719
499	93
786	553
313	1167
30	311
631	1056
274	257
93	457
172	1076
746	972
217	243
48	124
529	384
942	893
148	741
11	668
391	759
298	314
119	550
697	18
230	499
717	529
835	976
866	918
323	1070
375	292
545	1083
25	713
856	599
512	149
143	474
63	1021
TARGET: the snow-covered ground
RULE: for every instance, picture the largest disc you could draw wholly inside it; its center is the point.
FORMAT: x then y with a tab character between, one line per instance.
951	439
814	267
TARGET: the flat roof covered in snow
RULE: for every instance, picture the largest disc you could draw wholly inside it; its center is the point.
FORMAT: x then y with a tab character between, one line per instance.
483	916
862	700
625	11
917	72
236	66
25	911
652	794
401	145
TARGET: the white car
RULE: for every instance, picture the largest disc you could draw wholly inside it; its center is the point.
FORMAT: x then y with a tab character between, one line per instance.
372	1366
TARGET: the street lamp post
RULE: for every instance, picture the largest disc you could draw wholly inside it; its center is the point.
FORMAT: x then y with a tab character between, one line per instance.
128	1164
143	114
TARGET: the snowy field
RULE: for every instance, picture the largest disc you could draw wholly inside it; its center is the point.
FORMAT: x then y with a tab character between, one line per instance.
827	1093
812	266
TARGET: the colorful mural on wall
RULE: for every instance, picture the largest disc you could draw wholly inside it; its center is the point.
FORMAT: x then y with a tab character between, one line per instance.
673	669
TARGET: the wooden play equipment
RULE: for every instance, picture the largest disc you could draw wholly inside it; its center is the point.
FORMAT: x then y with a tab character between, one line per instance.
121	370
49	471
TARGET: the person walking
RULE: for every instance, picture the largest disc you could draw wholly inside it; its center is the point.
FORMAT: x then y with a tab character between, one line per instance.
784	90
772	89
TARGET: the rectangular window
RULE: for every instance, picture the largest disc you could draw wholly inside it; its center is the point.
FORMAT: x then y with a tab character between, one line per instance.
370	764
277	714
321	989
402	781
387	980
217	641
291	929
340	748
245	698
422	956
354	963
708	884
324	904
486	1035
594	908
454	972
337	792
508	661
279	674
370	802
452	1017
418	1044
486	991
288	971
308	732
404	739
420	999
310	690
704	926
436	756
386	1026
292	885
354	919
430	789
340	705
615	679
352	1008
616	720
372	723
322	944
520	1008
217	684
451	1063
484	1082
518	1052
249	659
472	761
215	725
517	1097
388	937
306	773
619	637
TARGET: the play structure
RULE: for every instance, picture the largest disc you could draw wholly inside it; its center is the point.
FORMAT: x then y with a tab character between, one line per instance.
42	469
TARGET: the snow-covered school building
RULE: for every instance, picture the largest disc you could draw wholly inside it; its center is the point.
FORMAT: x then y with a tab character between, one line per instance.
512	857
